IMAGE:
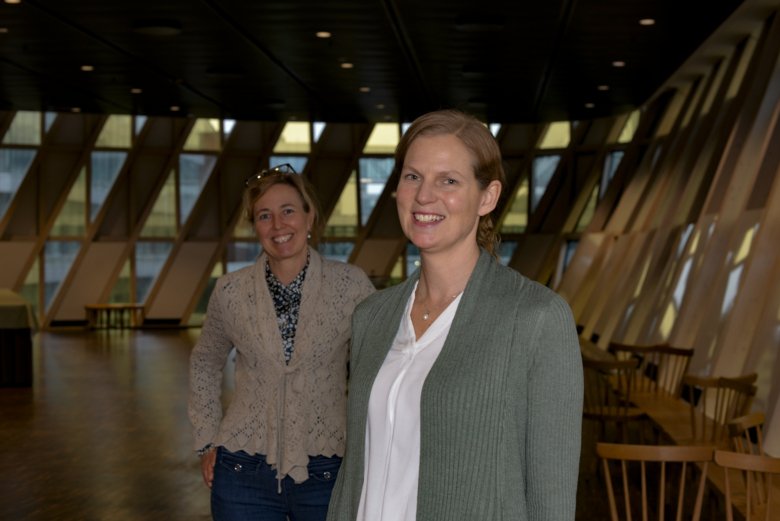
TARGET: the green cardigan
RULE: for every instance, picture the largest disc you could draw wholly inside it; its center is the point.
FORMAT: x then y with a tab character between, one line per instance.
501	409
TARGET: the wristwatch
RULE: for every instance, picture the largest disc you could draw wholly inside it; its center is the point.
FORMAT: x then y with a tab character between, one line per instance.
204	450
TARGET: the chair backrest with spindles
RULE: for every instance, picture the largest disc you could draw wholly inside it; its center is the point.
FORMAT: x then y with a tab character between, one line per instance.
746	433
721	399
756	471
661	477
661	368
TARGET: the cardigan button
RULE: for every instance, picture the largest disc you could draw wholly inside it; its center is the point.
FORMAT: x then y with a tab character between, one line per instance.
238	467
326	475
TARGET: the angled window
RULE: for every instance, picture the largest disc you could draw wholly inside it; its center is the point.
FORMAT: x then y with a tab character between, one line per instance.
339	251
162	219
383	139
199	313
343	221
72	219
58	257
611	163
413	261
495	128
48	120
297	162
194	171
587	214
242	254
506	249
204	136
123	289
25	129
542	172
629	128
317	128
116	132
14	165
139	123
31	287
149	260
105	167
556	135
374	173
227	126
294	139
516	219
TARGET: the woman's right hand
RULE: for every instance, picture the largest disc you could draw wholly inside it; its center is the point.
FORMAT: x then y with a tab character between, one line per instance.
207	462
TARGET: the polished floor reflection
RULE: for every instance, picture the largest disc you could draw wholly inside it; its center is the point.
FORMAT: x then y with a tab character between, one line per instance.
103	433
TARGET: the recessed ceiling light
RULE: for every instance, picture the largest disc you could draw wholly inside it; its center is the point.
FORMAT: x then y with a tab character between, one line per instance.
365	89
3	30
347	65
136	90
618	63
380	106
76	110
13	1
647	21
323	34
603	88
590	105
175	108
87	68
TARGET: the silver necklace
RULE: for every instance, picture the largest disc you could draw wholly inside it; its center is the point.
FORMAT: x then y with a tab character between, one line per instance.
427	312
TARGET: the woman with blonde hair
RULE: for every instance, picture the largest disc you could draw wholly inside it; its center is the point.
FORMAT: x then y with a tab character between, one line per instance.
277	449
465	393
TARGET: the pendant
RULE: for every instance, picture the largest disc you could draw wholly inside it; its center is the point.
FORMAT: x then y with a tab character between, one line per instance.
426	315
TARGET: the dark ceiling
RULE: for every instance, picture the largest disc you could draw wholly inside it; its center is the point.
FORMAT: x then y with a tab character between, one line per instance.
507	61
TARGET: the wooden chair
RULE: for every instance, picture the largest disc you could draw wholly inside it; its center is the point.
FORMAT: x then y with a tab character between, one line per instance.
661	368
720	401
608	394
746	433
757	472
666	469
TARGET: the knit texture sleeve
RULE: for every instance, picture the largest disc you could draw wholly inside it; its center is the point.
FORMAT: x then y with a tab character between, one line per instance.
554	416
207	361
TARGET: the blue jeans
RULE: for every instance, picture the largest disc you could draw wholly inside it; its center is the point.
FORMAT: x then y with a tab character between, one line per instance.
245	488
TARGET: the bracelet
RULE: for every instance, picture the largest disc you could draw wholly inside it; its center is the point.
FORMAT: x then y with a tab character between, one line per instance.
208	448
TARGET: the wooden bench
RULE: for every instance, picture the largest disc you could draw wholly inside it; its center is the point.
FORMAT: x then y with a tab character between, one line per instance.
114	315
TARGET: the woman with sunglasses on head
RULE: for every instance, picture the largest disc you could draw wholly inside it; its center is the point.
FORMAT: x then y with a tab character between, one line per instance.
465	393
276	451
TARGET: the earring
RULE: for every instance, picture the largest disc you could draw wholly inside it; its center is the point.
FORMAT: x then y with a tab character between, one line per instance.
308	235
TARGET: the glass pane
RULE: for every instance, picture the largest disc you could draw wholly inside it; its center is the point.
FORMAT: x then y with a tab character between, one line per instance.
30	287
242	254
48	120
556	135
162	220
516	220
397	273
140	121
343	221
204	135
14	164
149	260
590	209
629	129
611	163
116	132
505	251
197	316
373	177
412	259
339	251
25	129
122	292
297	162
72	219
58	256
571	247
317	128
105	169
383	139
495	128
227	126
295	138
541	174
244	229
194	171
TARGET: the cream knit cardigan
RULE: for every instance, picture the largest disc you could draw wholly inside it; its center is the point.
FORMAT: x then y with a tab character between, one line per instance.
285	412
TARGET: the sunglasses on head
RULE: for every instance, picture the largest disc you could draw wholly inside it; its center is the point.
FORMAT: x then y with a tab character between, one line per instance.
284	169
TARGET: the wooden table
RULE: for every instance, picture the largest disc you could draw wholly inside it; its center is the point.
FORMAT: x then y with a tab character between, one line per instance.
114	316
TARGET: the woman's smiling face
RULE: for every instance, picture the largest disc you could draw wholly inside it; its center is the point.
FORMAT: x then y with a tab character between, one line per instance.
281	223
439	199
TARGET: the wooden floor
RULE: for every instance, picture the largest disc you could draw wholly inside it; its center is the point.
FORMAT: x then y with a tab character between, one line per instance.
103	433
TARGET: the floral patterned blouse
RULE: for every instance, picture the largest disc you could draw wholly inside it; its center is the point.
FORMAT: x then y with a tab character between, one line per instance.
287	301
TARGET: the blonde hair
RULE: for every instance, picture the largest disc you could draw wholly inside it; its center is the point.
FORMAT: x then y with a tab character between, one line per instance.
484	150
259	186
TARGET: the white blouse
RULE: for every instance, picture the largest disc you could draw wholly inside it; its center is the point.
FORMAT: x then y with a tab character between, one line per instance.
392	453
